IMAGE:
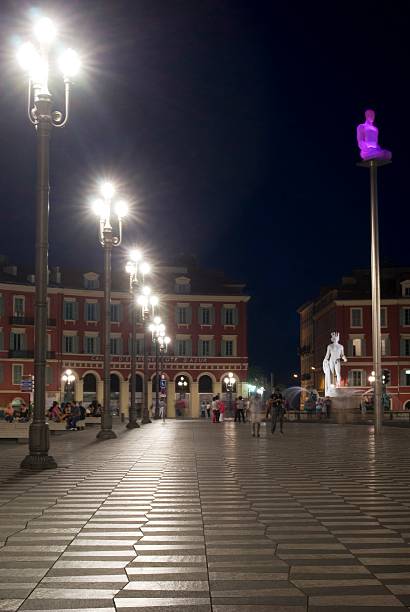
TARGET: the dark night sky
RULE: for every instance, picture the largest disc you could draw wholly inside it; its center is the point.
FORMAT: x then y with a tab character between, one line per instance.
231	124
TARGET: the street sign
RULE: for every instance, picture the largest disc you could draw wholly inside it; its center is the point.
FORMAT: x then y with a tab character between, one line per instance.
27	384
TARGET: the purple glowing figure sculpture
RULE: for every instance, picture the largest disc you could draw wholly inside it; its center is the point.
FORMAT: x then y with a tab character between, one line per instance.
367	137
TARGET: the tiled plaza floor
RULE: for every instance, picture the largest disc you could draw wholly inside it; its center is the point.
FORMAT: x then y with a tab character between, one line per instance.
195	517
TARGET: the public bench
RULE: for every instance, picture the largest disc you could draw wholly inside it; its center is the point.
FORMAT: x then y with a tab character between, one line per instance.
14	431
92	420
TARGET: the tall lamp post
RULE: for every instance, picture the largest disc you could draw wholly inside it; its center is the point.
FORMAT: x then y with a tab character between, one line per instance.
229	383
103	210
137	269
163	349
148	303
157	329
374	156
35	61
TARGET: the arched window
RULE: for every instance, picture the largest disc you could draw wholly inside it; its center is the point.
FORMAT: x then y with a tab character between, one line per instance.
407	405
138	384
114	383
205	384
89	383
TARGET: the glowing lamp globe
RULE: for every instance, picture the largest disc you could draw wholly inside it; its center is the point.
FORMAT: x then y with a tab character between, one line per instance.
45	30
69	63
145	268
107	190
121	209
101	209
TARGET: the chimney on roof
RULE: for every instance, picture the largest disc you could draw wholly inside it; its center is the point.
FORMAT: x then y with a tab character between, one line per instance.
12	270
56	275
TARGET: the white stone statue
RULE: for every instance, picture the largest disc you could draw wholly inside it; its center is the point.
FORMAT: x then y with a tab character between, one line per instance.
331	364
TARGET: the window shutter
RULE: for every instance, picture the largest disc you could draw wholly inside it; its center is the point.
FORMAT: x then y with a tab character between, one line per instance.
119	312
97	311
350	378
189	315
364	353
1	305
23	342
75	311
201	315
97	345
85	344
75	344
120	346
235	316
1	340
402	346
49	375
212	315
85	312
223	315
188	347
350	348
223	348
212	348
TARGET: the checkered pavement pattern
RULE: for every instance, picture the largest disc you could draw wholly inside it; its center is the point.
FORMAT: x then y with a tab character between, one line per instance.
200	517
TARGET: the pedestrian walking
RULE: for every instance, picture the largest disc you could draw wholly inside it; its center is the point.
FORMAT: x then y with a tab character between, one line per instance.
221	411
208	409
240	410
203	409
256	410
278	410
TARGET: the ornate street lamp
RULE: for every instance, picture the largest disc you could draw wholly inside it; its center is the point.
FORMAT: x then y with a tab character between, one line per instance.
34	59
229	383
157	329
182	385
147	303
68	379
137	269
103	209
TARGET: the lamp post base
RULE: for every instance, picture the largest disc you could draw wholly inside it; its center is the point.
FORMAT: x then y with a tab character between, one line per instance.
106	434
132	425
38	462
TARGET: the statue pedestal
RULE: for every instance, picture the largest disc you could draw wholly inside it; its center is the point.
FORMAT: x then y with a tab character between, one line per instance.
345	407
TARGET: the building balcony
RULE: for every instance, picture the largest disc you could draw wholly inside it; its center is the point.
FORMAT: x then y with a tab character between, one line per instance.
21	320
21	354
29	354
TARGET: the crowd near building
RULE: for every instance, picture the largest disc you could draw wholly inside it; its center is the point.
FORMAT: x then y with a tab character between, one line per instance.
205	316
346	308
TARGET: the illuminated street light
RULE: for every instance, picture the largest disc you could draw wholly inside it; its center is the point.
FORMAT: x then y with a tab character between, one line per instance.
103	210
136	268
34	60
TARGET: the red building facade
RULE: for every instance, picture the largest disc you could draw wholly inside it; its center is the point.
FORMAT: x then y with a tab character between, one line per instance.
204	313
347	309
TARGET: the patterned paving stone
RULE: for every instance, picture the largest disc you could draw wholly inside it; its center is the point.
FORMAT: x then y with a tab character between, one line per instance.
196	518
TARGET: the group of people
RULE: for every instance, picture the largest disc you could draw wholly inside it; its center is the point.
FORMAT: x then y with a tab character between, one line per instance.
255	409
22	415
317	406
273	409
72	412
